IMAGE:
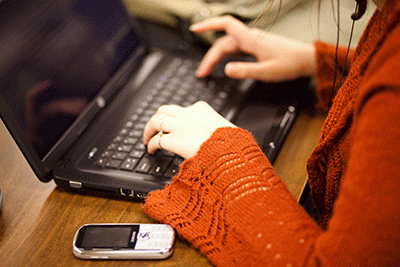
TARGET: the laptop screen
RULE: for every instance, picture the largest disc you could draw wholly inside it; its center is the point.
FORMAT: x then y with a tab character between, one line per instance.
56	56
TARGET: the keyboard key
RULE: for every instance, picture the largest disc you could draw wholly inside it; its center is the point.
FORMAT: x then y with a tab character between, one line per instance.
177	161
136	153
113	163
117	139
166	153
145	119
160	165
119	155
140	146
129	124
101	162
129	164
145	164
112	146
135	133
140	126
130	140
124	148
124	131
134	117
172	171
107	153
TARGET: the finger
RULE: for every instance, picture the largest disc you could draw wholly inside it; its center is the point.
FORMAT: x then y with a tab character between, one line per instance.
170	143
269	71
169	110
201	105
154	144
159	141
157	123
224	23
221	48
204	106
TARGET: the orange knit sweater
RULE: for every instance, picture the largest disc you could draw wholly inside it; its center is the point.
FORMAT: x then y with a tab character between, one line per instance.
228	202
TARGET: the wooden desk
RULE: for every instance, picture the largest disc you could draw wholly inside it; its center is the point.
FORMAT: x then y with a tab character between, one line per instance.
38	220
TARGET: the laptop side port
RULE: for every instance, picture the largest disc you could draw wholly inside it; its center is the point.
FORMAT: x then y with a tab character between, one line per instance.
127	192
140	195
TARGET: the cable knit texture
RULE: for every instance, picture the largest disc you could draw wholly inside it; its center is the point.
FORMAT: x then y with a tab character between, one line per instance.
228	202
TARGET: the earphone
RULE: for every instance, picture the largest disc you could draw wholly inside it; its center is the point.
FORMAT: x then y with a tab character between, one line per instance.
361	7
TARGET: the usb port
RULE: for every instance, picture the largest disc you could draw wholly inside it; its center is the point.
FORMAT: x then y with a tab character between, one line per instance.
127	192
141	196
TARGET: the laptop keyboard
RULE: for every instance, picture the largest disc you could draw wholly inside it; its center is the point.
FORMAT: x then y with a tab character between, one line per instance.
178	85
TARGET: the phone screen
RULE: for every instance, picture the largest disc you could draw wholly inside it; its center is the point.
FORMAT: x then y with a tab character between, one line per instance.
107	236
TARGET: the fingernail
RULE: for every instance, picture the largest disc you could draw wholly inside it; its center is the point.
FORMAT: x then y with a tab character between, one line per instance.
194	27
230	69
199	72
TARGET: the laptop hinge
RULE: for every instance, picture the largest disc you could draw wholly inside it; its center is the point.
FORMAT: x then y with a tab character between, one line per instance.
75	184
149	64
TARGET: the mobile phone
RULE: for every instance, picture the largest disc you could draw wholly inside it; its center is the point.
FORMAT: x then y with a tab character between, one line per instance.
124	241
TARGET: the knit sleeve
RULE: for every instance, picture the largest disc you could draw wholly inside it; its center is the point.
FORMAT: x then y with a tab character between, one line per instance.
228	202
325	57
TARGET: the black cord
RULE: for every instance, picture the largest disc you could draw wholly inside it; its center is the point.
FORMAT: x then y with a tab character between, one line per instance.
348	49
336	54
337	49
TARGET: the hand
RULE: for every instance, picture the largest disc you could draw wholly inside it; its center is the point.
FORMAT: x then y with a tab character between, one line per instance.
278	58
183	130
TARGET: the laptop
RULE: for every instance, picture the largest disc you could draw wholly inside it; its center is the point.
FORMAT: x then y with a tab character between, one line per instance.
78	82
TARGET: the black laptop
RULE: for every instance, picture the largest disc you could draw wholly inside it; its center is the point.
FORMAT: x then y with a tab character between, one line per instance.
78	82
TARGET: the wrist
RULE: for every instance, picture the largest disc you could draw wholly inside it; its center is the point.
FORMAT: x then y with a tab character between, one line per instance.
308	59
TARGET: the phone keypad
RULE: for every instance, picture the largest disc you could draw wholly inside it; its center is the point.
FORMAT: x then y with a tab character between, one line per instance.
154	236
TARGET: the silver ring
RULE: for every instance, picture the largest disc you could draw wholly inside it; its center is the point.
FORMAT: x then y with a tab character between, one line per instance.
160	134
161	121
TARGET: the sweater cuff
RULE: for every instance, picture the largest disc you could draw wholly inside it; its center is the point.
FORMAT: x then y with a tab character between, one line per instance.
225	143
